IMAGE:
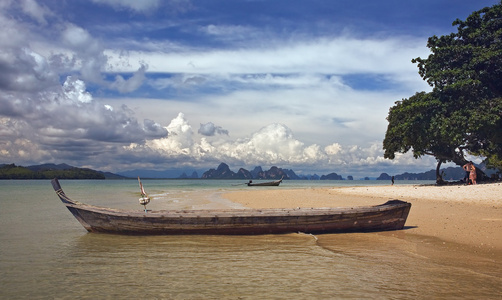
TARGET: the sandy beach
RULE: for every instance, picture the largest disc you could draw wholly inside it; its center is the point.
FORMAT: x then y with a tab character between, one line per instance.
464	215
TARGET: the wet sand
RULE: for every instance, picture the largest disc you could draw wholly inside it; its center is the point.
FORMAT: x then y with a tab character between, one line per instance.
463	215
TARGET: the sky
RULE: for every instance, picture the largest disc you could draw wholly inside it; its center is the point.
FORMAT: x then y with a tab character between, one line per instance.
118	85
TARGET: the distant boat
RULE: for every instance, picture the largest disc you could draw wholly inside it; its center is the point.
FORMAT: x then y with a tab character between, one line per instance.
391	215
271	183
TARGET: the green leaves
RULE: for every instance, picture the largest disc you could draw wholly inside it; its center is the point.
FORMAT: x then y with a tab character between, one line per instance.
463	113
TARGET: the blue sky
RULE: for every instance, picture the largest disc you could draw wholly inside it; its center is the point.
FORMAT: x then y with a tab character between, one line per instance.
182	84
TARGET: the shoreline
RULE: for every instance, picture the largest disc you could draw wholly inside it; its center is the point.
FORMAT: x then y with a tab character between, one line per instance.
465	215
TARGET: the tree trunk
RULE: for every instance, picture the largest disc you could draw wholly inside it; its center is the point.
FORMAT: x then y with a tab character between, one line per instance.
439	177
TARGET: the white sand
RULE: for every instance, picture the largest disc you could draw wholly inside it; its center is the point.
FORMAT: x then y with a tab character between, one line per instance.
484	194
470	215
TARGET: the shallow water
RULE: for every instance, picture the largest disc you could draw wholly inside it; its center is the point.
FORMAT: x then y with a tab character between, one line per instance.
46	253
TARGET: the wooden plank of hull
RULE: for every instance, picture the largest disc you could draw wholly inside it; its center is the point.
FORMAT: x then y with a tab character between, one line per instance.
165	224
273	183
389	216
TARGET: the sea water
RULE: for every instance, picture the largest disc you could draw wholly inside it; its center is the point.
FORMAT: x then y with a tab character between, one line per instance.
46	254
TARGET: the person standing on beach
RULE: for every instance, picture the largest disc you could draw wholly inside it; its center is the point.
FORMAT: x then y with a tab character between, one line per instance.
471	169
392	179
472	175
467	169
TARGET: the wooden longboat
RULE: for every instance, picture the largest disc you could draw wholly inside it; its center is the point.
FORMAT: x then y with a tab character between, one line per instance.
271	183
388	216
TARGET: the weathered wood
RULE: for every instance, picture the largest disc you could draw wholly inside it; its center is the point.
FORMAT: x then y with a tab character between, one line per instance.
391	215
271	183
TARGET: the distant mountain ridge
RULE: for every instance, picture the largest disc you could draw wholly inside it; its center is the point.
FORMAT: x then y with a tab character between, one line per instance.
49	171
65	171
185	176
223	172
449	174
331	176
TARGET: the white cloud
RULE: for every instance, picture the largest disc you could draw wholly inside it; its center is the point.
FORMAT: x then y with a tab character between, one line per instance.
87	56
209	129
36	11
37	108
74	89
336	55
24	70
133	83
180	140
135	5
272	145
88	53
333	149
232	33
171	7
297	86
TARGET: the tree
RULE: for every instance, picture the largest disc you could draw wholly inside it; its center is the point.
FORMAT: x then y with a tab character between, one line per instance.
463	112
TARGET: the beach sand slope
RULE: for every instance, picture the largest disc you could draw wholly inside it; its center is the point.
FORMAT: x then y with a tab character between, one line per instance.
469	215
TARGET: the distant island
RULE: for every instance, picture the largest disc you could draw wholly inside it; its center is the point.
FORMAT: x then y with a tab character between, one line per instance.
223	172
49	171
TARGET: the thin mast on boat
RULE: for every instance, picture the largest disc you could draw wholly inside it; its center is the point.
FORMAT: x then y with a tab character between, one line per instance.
144	200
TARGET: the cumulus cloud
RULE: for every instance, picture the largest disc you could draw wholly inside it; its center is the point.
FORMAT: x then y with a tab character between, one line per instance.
74	89
24	67
89	59
333	149
69	124
88	52
44	120
274	144
133	83
209	129
23	70
180	140
95	121
153	129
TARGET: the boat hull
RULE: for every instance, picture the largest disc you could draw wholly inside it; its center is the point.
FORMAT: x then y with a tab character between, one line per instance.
273	183
388	216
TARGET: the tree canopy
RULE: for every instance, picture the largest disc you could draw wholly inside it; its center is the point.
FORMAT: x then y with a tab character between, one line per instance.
463	112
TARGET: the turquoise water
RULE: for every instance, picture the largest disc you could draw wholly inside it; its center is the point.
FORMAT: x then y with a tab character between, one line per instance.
46	254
